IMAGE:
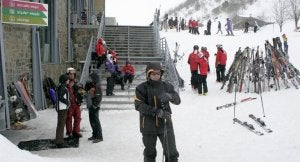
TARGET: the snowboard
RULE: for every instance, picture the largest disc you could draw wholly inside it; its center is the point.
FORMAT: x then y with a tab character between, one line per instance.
26	99
45	144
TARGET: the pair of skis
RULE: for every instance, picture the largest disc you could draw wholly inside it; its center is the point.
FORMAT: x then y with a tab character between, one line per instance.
251	128
234	103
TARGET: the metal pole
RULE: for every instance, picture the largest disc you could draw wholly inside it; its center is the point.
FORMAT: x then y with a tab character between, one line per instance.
4	113
37	71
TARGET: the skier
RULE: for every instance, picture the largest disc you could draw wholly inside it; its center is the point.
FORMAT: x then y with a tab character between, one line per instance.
62	110
206	55
229	27
219	28
221	58
94	97
203	69
208	27
73	128
256	27
152	101
193	61
246	27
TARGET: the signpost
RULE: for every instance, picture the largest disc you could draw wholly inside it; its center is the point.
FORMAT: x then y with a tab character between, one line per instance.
23	12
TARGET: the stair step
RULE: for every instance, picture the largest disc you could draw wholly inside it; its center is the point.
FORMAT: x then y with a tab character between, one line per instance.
116	102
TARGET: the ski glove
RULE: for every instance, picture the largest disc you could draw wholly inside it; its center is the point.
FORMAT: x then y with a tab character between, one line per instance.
163	114
165	97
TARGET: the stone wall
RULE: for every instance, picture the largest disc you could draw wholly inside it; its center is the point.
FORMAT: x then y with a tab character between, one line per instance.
17	48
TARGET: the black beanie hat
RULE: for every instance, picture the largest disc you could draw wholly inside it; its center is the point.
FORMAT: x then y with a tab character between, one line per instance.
63	78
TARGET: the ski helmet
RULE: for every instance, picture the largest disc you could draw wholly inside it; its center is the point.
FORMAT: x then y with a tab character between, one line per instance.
153	66
219	46
196	47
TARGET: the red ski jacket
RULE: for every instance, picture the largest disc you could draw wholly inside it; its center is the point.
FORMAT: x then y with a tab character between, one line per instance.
221	57
203	66
128	69
100	50
193	61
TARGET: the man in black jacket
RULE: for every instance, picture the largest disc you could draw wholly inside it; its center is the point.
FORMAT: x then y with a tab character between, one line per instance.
152	101
94	98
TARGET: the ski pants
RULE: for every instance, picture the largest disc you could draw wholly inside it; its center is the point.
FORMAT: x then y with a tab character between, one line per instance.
95	122
202	83
220	71
73	112
128	77
110	85
194	78
61	122
169	147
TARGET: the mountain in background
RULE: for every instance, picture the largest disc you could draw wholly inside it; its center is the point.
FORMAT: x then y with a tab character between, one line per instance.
238	10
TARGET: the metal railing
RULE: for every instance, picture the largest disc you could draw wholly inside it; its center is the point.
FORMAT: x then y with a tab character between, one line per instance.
172	75
88	59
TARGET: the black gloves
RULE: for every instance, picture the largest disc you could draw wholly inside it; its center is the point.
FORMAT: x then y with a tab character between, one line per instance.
163	114
165	97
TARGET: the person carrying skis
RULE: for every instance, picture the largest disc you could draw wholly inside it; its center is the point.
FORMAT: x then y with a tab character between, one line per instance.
94	97
221	58
152	101
193	61
73	127
203	69
62	106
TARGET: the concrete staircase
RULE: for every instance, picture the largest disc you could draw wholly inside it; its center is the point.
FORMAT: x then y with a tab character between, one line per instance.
137	44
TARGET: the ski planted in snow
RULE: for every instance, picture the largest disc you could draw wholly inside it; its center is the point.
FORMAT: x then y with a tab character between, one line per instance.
260	123
234	103
250	127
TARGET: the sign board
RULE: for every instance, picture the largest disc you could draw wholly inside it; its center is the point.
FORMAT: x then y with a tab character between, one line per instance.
23	12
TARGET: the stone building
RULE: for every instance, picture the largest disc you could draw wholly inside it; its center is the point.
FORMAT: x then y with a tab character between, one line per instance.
47	51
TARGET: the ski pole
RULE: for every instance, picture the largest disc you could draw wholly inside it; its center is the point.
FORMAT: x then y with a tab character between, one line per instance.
165	138
262	103
235	89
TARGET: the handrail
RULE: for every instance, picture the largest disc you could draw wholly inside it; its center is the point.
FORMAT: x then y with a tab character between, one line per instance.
101	26
85	70
87	63
170	68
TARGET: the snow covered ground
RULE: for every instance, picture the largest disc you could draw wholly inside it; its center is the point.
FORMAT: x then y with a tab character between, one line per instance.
202	133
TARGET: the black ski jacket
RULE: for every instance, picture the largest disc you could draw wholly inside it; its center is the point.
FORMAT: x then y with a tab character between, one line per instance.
147	102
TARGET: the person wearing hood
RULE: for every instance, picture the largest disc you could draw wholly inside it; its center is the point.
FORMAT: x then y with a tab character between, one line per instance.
152	99
110	68
94	98
62	106
193	61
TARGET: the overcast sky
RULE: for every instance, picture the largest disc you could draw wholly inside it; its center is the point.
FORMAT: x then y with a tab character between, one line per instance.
137	12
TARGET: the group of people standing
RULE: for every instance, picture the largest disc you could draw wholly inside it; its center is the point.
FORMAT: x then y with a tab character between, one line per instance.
70	95
199	66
